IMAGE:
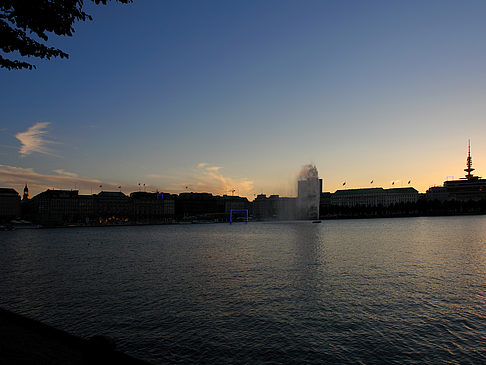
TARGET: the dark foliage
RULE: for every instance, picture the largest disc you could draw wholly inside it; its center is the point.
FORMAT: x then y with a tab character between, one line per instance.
21	20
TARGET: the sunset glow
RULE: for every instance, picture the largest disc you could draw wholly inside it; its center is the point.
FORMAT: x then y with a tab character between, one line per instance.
237	97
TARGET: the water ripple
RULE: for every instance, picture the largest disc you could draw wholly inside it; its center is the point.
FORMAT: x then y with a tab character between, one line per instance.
397	291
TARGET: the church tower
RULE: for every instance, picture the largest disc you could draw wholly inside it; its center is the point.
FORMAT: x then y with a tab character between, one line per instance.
26	193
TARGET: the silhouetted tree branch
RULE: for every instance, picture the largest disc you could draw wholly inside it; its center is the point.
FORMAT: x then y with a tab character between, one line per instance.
22	19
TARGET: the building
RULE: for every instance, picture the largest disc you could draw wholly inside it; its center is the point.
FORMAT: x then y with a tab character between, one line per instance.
55	207
232	202
9	204
87	209
152	208
274	207
61	207
231	205
196	206
372	197
265	208
437	193
25	204
26	193
112	207
467	188
64	207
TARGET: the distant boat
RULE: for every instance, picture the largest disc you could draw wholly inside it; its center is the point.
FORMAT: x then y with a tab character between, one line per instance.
316	221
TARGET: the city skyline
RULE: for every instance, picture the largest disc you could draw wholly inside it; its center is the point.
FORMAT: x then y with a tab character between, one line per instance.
218	97
63	180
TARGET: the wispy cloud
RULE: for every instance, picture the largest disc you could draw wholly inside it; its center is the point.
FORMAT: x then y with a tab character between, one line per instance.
65	173
154	176
16	177
202	179
209	179
34	140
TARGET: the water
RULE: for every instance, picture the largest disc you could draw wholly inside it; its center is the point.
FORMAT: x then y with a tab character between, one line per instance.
398	291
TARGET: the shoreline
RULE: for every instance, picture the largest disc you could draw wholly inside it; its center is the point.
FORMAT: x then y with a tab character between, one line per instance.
323	218
24	340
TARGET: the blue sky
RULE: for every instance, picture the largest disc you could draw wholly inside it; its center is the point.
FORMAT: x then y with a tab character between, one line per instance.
222	95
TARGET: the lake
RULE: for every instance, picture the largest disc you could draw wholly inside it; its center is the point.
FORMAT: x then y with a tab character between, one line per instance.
405	290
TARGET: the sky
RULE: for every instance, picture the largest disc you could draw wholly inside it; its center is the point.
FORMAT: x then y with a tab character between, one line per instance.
216	96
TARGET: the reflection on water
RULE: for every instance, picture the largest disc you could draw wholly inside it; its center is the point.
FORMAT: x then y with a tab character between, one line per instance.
371	291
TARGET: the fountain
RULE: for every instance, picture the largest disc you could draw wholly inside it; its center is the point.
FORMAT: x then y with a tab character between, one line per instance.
309	193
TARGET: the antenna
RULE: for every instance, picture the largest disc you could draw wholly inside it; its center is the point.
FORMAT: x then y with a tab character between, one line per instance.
469	168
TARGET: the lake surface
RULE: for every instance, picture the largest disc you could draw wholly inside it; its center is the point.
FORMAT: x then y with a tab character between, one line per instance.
408	290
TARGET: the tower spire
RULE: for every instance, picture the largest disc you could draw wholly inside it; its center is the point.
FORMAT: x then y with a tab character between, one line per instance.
469	161
26	192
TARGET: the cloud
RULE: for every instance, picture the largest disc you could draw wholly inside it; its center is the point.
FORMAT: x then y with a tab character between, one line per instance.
65	173
153	176
16	177
202	179
34	140
209	179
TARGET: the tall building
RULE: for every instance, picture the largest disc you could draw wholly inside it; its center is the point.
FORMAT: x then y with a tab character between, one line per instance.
469	187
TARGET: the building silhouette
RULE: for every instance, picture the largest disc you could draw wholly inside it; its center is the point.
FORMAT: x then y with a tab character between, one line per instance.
468	188
274	207
152	207
61	207
205	206
373	197
67	207
9	204
26	193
